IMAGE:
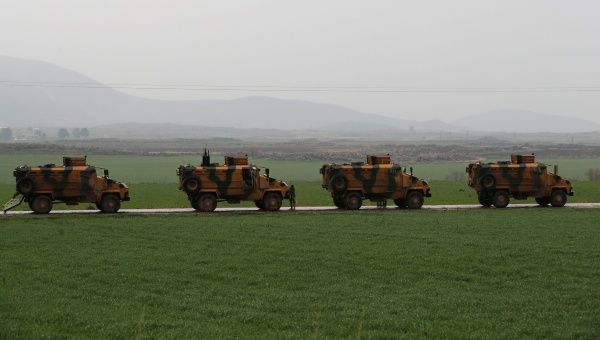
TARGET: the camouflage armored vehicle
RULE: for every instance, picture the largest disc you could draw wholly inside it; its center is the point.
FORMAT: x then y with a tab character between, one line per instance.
378	180
72	183
234	181
521	177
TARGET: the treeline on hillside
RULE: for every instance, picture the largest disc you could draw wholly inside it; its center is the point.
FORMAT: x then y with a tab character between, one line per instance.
307	150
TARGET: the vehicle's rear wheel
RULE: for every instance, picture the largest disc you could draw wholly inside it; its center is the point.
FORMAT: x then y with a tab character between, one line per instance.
415	200
191	185
353	201
259	204
25	186
207	203
558	198
272	201
41	204
500	199
110	204
400	202
543	201
488	181
485	199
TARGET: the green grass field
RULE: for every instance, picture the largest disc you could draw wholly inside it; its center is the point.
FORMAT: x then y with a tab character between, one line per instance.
471	274
161	169
153	182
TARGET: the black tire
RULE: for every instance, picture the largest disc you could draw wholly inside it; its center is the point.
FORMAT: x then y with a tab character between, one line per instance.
194	203
558	198
542	201
488	182
353	201
207	202
400	202
191	185
339	203
415	200
41	204
25	186
259	205
338	183
485	200
110	204
272	201
500	199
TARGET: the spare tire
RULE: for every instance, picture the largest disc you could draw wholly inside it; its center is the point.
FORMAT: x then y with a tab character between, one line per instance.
338	183
191	185
488	182
25	186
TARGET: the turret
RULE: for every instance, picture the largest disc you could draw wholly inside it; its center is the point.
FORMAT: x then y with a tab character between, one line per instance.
206	158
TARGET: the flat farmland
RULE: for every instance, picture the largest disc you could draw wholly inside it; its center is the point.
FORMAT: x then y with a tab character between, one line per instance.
411	274
153	182
161	169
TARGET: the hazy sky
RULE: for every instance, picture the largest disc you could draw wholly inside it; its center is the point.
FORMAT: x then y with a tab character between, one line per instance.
399	44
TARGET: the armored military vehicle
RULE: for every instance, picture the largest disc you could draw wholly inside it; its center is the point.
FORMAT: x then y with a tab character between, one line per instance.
236	180
521	177
377	180
72	183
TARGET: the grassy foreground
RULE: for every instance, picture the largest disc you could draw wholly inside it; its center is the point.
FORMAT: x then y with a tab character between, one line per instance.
478	274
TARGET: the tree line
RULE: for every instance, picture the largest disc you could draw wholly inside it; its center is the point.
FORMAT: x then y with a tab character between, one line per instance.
7	134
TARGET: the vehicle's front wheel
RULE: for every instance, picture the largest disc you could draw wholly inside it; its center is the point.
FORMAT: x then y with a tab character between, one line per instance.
338	202
353	201
259	204
500	199
400	202
558	198
415	200
207	203
41	204
272	201
110	204
485	200
542	201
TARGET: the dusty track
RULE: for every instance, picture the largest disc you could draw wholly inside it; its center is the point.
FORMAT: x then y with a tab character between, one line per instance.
163	211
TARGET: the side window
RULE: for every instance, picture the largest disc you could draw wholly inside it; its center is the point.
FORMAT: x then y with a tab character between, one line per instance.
247	177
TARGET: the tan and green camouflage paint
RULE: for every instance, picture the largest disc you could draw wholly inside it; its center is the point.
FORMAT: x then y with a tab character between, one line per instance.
374	181
227	183
70	184
519	179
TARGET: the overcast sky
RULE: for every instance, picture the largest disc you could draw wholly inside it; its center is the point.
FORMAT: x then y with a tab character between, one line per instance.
387	44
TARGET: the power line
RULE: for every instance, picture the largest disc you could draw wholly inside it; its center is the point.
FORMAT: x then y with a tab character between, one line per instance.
280	88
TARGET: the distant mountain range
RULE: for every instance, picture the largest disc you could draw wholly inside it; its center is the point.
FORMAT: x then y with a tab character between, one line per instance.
57	106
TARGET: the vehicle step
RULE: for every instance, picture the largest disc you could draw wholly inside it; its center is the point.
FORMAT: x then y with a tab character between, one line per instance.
15	201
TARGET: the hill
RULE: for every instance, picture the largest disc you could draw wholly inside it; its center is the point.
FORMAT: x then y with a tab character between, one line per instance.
63	102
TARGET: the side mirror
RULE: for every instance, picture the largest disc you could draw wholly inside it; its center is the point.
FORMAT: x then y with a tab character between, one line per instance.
106	173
